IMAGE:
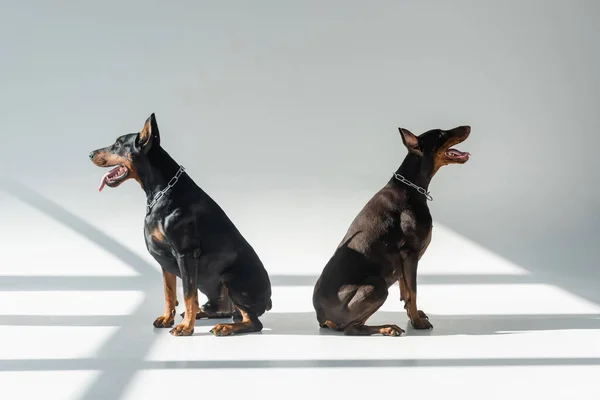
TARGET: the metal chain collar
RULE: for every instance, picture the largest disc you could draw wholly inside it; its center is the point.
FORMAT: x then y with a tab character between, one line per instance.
171	183
409	183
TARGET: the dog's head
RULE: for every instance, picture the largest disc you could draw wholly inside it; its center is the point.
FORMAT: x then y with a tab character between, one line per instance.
126	154
435	146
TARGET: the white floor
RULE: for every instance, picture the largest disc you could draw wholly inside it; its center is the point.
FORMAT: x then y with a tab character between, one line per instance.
76	312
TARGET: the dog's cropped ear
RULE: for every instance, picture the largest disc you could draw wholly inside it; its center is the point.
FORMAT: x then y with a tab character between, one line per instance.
410	141
149	136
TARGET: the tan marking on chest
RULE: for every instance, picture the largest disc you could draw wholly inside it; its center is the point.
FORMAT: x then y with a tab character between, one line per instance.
426	242
157	235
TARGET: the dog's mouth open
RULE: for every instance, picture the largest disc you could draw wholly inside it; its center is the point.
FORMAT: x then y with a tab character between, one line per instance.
114	177
457	155
453	155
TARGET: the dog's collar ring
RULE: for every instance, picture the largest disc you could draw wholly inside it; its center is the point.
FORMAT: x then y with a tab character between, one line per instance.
409	183
171	183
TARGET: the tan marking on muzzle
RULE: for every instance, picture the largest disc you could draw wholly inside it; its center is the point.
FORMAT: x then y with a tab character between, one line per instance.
107	159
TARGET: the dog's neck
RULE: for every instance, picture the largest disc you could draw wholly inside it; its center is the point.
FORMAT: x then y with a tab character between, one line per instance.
417	170
157	173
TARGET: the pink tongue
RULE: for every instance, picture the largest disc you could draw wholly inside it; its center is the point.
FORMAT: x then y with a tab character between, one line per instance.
112	172
103	181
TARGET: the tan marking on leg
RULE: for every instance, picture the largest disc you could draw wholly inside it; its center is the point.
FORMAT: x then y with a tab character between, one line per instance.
404	293
330	325
199	313
186	327
247	325
418	318
169	285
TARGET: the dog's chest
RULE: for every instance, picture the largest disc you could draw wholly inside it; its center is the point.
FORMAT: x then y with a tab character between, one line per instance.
156	240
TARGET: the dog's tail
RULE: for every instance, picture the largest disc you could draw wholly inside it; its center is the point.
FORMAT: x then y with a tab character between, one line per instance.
269	305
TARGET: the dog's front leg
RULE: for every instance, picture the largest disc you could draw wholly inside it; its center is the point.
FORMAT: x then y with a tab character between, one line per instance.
408	290
188	267
168	317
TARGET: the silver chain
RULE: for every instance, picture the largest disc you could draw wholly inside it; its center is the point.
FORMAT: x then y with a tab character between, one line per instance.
409	183
171	183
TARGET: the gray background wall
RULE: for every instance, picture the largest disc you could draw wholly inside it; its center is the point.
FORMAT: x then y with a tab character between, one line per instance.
287	113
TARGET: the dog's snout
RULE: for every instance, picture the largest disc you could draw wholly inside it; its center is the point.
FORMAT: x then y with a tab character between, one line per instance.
460	130
92	154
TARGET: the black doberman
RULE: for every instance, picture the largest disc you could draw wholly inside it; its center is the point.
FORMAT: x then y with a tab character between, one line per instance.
386	241
191	237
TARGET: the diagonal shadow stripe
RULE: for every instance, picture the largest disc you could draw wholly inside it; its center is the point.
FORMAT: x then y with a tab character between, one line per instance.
67	283
305	323
112	381
119	367
438	279
95	364
75	223
63	320
70	283
372	363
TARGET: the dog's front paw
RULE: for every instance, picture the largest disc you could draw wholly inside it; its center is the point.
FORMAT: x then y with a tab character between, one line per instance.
182	330
391	330
164	321
422	314
421	323
222	330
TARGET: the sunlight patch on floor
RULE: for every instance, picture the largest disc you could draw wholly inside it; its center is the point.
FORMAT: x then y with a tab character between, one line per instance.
490	383
52	342
51	385
83	303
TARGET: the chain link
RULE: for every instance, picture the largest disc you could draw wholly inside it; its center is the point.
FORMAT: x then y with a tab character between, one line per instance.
409	183
171	183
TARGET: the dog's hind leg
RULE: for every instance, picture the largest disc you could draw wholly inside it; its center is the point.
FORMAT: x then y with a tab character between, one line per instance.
248	302
218	304
408	291
249	323
368	298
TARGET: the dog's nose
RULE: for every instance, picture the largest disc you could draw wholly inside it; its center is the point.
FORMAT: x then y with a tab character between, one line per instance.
91	155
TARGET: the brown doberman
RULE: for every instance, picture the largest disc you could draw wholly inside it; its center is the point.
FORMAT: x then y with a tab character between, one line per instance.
386	241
